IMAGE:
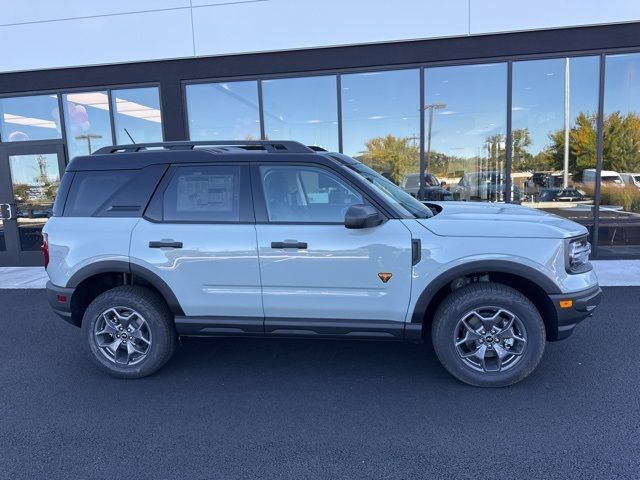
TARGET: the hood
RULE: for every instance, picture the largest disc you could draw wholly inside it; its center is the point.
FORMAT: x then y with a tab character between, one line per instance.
471	219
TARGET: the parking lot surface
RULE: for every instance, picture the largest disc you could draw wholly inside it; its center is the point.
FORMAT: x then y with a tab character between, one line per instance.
306	409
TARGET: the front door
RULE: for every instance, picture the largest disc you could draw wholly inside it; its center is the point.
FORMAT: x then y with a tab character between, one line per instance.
29	180
318	276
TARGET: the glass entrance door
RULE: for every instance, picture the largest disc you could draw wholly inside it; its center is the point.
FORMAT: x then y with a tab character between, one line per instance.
29	180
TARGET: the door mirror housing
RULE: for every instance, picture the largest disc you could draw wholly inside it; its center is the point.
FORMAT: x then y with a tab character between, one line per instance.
362	216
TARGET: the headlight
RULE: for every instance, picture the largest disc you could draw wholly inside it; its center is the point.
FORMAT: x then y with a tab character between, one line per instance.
577	255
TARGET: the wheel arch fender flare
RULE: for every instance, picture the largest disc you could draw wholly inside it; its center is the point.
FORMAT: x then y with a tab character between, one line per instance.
121	266
479	266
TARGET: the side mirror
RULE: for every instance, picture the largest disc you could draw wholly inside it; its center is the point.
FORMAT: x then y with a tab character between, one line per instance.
362	216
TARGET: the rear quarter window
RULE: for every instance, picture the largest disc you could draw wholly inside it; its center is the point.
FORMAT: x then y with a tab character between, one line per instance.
90	189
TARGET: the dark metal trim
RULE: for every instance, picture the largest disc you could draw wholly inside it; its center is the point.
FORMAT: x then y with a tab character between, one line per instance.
263	136
421	160
219	326
339	111
312	327
599	146
509	139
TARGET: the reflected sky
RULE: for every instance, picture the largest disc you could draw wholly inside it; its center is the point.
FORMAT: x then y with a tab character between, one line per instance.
302	109
377	104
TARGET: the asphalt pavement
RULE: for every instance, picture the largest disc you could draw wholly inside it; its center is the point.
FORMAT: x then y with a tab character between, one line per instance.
315	409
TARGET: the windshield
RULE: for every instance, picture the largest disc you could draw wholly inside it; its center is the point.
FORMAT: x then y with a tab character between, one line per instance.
392	192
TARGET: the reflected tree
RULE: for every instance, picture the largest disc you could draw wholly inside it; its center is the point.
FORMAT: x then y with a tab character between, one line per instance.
394	156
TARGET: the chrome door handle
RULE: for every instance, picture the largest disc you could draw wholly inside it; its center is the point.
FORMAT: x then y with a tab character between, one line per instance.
298	245
9	212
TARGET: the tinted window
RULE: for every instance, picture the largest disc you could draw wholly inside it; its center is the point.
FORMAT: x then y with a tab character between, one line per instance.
306	194
91	189
203	194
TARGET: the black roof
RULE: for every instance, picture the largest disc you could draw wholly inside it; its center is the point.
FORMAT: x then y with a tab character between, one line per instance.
137	156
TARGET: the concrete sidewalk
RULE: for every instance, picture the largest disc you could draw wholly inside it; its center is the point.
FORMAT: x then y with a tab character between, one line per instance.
611	273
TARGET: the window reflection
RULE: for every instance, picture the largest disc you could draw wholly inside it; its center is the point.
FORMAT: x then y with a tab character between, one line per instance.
87	122
223	111
137	115
302	109
381	122
619	233
555	104
29	118
465	128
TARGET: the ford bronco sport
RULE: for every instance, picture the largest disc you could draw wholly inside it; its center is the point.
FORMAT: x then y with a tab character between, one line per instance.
263	238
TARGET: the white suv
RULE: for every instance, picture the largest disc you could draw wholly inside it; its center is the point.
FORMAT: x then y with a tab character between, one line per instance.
152	242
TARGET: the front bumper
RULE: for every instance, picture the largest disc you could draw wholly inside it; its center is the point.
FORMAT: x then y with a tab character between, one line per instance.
59	299
583	303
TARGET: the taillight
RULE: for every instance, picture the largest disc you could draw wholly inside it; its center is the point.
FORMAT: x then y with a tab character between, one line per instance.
45	249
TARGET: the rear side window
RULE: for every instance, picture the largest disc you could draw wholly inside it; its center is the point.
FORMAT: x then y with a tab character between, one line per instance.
91	189
204	193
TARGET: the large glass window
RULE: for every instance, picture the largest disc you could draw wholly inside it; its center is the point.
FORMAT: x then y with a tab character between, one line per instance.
465	130
555	105
381	120
29	118
223	111
302	109
136	113
619	233
87	121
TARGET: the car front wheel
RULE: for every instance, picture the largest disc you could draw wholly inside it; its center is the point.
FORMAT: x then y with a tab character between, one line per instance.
488	335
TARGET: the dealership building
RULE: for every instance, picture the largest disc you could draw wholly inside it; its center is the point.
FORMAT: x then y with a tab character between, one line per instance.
476	100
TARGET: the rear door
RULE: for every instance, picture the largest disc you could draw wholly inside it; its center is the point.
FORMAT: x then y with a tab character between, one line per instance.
198	235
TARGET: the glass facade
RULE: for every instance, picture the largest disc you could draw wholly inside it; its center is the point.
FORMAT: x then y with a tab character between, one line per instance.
520	129
381	121
29	118
465	115
87	117
554	121
302	108
223	111
136	115
619	213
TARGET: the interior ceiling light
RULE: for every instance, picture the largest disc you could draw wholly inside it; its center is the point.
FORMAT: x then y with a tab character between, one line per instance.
124	107
29	121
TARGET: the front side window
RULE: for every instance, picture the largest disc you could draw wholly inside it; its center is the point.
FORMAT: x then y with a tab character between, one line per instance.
306	194
203	194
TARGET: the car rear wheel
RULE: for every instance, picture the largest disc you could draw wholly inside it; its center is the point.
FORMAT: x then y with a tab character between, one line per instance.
488	335
129	331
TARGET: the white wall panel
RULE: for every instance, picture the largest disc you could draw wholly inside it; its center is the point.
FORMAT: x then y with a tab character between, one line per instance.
97	40
24	11
288	24
512	15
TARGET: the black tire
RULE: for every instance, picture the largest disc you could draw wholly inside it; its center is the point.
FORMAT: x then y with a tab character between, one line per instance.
159	324
476	296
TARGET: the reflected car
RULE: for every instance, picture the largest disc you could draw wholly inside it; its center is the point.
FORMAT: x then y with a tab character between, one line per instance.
632	179
484	186
608	177
433	188
560	195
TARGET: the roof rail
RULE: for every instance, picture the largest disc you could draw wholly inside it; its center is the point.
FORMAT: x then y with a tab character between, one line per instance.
284	146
